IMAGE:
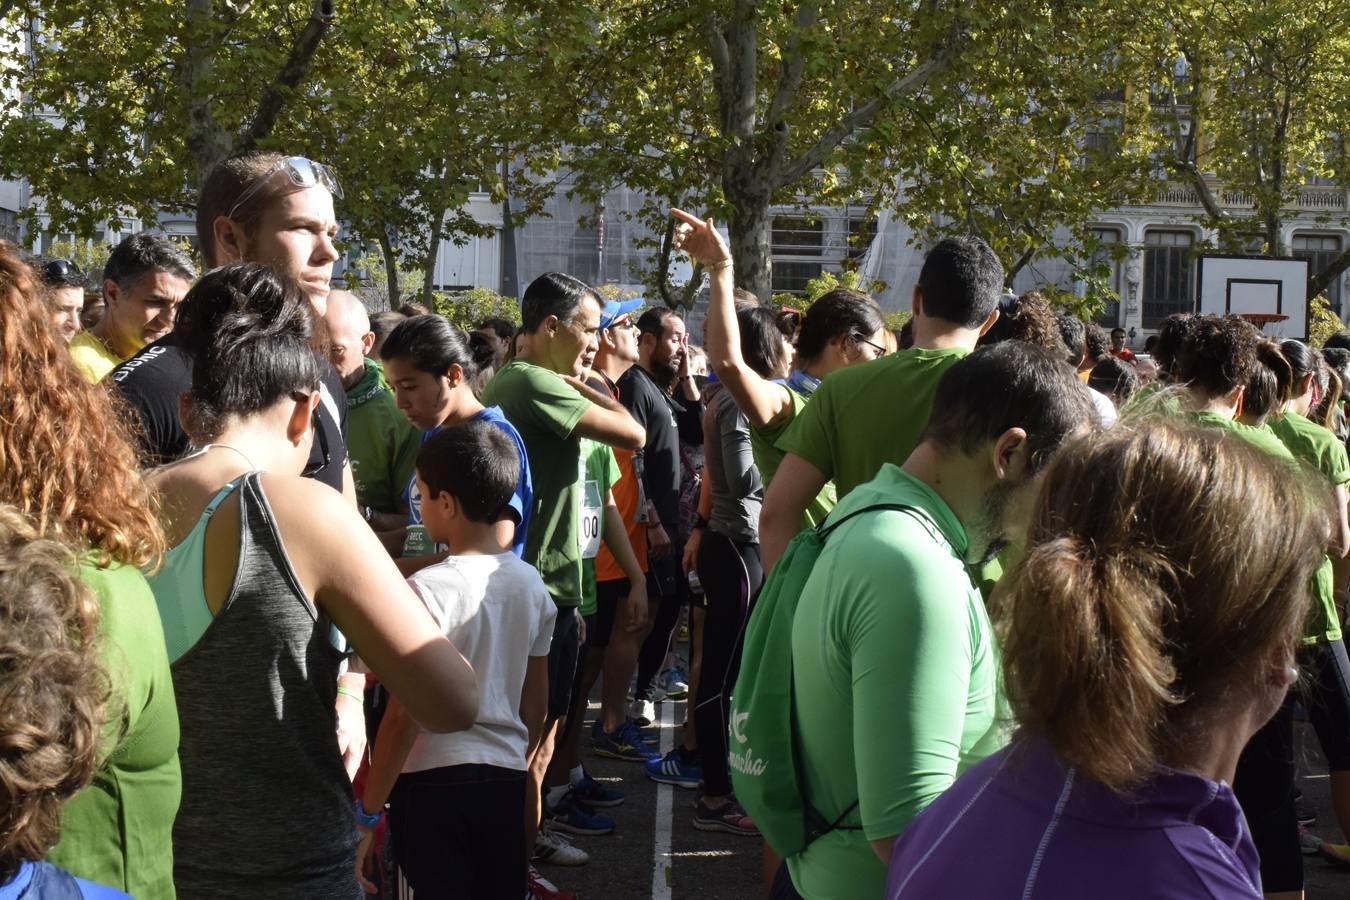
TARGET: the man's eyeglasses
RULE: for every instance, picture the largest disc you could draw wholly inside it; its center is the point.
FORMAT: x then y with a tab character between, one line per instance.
881	351
302	172
313	468
61	271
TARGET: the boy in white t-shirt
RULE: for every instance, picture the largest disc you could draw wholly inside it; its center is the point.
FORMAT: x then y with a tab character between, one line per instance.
455	809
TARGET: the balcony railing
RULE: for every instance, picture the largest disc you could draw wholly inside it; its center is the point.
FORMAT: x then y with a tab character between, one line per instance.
1314	198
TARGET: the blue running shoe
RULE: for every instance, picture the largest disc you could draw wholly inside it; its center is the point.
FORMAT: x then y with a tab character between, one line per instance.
675	768
594	793
575	817
625	744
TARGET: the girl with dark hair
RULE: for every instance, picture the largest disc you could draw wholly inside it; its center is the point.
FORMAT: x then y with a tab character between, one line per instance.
842	328
1141	648
434	369
724	549
1269	386
256	599
67	464
1324	656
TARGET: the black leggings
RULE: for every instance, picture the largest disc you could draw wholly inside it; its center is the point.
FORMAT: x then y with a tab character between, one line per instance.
731	572
1264	785
666	585
1327	698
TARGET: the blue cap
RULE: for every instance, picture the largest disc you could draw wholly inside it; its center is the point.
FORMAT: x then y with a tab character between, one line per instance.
615	310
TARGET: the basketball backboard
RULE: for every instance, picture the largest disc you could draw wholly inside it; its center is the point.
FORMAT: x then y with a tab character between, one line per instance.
1269	291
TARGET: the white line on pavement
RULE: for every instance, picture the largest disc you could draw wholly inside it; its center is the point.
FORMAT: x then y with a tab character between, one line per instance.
661	859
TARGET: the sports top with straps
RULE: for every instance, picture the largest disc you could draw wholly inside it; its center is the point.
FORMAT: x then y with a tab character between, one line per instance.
256	695
179	585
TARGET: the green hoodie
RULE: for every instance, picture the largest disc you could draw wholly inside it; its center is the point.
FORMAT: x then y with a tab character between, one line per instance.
381	442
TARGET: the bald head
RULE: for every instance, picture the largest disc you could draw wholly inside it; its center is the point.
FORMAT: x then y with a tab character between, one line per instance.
350	335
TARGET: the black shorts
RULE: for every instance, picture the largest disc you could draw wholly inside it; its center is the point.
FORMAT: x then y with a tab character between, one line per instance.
562	662
608	595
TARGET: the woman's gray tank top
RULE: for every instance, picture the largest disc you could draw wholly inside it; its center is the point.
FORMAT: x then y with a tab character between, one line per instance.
267	807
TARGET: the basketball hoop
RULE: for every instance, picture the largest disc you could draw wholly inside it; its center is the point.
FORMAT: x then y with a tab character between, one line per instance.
1261	320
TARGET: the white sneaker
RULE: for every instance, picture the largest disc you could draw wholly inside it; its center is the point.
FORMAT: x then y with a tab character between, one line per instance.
553	849
643	712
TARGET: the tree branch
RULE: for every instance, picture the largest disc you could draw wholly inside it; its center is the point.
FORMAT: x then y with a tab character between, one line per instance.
814	155
793	65
291	74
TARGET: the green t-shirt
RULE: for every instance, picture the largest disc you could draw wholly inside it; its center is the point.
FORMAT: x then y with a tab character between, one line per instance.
381	443
1318	447
895	670
867	415
119	830
1261	438
545	409
601	473
768	456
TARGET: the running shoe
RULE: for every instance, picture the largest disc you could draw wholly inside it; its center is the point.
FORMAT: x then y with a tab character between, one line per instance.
1336	854
643	712
575	817
595	794
673	683
555	850
1309	843
731	818
540	888
625	744
1305	813
674	768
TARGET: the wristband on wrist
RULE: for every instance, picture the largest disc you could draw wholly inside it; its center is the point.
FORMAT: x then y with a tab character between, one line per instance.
700	522
366	820
348	692
720	265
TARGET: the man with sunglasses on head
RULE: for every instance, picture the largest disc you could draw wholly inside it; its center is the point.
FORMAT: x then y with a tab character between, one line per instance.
64	282
270	209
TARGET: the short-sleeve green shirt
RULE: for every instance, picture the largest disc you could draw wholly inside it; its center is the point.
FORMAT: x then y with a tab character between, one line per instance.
545	409
1261	438
602	468
1318	447
867	415
768	456
119	830
895	670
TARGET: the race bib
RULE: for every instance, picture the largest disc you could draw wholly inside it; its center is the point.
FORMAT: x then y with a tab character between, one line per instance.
592	508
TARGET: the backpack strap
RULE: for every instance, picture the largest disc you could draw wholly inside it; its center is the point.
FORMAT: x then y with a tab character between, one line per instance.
816	825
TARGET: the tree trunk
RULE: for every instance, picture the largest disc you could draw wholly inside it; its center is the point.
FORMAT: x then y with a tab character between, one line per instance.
207	141
433	254
510	269
390	268
749	226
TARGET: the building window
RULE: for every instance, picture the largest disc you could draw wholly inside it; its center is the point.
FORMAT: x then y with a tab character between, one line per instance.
797	237
861	233
1167	275
1106	240
1320	250
791	277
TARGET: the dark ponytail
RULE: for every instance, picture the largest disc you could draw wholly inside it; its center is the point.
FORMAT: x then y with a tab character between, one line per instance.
840	313
433	345
249	331
1270	385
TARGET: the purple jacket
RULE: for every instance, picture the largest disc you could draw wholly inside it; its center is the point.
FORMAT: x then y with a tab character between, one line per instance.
1021	825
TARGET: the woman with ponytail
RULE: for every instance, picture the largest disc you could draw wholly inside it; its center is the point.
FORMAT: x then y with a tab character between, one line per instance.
268	571
437	373
1323	655
842	328
1146	636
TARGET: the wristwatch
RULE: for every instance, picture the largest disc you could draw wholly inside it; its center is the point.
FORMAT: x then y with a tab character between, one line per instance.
699	521
369	821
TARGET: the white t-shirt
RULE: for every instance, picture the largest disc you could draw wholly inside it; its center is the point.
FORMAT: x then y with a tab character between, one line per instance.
496	610
1106	410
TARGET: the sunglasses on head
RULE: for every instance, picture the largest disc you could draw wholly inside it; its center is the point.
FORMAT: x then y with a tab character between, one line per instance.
313	468
60	271
302	172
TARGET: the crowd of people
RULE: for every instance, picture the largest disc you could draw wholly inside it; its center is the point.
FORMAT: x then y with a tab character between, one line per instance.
274	568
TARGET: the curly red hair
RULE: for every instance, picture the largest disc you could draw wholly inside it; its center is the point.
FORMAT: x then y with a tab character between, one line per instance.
65	458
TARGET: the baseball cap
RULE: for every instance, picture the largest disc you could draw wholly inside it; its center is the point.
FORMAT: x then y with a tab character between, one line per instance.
615	310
